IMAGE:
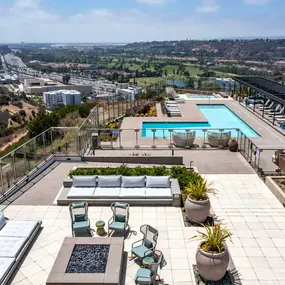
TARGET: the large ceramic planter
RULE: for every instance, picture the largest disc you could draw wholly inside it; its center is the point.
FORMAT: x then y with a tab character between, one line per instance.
212	267
197	211
233	146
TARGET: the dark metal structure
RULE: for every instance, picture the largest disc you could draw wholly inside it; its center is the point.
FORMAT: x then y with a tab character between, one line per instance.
266	88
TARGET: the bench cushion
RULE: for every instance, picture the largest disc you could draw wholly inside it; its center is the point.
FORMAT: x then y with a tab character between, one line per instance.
5	266
133	181
162	193
107	192
109	181
78	192
84	181
11	246
138	193
157	182
18	229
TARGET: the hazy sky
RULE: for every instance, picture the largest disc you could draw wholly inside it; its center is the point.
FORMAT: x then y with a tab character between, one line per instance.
138	20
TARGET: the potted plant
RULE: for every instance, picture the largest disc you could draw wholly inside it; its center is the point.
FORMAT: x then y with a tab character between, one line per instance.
197	204
212	255
233	145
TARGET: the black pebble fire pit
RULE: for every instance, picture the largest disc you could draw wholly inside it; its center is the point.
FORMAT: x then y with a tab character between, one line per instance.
88	261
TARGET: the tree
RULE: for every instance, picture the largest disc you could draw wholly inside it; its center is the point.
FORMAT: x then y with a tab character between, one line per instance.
165	72
23	113
65	78
33	113
186	73
190	83
42	122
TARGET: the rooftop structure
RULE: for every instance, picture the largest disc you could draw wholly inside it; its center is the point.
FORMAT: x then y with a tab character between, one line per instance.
34	175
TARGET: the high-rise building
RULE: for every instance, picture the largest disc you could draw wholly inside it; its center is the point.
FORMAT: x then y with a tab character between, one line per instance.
66	97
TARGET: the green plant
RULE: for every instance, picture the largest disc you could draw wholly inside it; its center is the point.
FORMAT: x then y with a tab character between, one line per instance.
283	182
214	240
233	139
198	190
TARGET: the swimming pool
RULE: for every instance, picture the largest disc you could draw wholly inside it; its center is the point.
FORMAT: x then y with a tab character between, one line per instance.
218	116
197	96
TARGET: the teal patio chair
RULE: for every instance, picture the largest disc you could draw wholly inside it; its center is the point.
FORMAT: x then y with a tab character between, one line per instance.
145	247
148	276
119	222
79	218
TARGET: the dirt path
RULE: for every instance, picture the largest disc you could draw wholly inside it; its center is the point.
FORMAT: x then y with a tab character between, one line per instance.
15	140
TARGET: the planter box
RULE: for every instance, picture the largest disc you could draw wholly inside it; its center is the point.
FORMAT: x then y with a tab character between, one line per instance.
275	189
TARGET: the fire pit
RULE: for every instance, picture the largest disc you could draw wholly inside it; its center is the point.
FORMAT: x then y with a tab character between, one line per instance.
88	261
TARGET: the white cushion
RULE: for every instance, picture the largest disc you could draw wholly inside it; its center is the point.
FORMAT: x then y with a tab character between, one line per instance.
157	182
2	220
18	229
11	246
78	192
109	181
109	192
132	193
153	193
84	181
133	181
5	266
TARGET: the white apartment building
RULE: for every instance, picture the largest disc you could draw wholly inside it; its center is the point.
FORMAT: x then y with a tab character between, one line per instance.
66	97
129	93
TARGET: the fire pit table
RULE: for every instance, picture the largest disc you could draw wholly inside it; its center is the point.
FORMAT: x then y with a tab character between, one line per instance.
88	260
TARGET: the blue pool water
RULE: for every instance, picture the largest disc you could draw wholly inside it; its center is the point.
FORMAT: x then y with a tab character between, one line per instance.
201	96
218	116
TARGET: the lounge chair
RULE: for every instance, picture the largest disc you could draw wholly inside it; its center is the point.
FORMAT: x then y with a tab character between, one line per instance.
275	109
119	222
267	103
146	276
180	100
269	107
279	113
216	139
79	218
183	139
146	246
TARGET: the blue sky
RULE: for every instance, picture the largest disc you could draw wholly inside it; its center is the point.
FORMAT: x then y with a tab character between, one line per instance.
138	20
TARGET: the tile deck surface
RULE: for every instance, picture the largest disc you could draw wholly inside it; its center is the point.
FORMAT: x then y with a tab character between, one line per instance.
244	204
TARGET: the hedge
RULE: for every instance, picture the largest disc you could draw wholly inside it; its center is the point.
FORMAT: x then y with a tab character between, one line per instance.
180	173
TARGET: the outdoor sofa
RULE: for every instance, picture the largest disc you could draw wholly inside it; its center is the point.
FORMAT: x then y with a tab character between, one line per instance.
15	238
134	190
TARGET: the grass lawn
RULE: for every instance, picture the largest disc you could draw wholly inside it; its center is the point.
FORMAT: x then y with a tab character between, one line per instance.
148	80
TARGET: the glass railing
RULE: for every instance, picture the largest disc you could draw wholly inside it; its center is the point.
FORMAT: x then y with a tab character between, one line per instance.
19	163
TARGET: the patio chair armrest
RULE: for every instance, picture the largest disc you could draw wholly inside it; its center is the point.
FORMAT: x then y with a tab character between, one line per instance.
137	242
148	252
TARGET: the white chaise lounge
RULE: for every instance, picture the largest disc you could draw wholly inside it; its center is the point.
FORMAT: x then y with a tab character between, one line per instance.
15	237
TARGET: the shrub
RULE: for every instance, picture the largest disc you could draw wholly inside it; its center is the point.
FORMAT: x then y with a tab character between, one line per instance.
214	238
283	182
180	173
199	189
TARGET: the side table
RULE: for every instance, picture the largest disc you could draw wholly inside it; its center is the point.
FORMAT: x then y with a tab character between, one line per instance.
100	230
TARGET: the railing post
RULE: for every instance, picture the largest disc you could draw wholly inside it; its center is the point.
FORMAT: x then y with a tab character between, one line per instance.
2	180
51	138
109	111
25	158
35	146
153	138
137	138
204	139
187	139
120	139
44	142
170	138
220	145
13	166
114	114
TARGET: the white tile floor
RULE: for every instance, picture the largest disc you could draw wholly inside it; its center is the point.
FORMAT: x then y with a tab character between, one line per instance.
243	203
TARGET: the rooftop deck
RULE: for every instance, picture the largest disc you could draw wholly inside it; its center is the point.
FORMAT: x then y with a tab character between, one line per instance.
244	204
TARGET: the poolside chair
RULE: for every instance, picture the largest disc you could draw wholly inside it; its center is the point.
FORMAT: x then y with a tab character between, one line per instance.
274	109
183	139
267	103
119	222
145	246
279	113
79	218
216	139
148	276
269	107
